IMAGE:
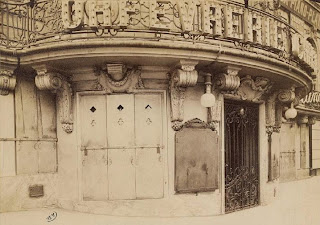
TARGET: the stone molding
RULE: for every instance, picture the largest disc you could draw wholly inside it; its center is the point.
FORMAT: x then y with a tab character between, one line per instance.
7	80
117	77
183	76
56	83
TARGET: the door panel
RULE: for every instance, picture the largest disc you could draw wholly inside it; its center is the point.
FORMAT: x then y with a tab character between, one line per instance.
148	121
93	121
149	173
241	155
120	119
95	175
121	174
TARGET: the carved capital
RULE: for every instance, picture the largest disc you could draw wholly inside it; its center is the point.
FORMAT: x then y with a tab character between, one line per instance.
311	120
302	119
7	81
253	89
118	78
180	79
55	82
228	79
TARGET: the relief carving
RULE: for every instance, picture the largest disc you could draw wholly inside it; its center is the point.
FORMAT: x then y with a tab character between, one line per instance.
180	79
56	83
118	78
253	89
7	81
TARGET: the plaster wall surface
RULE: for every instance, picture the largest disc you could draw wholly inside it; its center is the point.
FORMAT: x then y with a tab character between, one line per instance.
295	205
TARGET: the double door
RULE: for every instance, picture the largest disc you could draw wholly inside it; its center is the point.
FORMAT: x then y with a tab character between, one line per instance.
121	146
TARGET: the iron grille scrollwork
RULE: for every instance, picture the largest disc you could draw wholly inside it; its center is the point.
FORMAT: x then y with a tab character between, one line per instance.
241	156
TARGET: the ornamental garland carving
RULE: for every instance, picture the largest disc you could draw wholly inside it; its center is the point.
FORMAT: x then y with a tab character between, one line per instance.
180	79
7	81
56	83
118	78
253	89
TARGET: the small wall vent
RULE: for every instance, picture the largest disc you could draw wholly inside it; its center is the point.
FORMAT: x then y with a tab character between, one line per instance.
36	191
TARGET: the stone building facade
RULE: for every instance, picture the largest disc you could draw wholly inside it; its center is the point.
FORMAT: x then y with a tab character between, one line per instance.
158	108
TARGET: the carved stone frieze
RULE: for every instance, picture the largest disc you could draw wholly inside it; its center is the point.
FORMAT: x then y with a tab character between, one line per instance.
55	82
118	78
228	79
286	95
197	123
180	79
7	81
253	89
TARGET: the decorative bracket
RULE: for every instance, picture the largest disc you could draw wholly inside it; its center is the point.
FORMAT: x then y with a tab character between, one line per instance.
182	77
56	83
7	80
274	108
253	89
118	78
228	79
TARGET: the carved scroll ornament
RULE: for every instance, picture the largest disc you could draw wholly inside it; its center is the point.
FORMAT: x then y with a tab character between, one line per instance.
180	79
119	78
228	80
57	84
7	81
253	89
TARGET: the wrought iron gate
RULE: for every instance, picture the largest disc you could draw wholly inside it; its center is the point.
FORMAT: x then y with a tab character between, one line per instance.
241	155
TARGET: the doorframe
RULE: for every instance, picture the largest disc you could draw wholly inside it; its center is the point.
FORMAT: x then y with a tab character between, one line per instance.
262	149
163	94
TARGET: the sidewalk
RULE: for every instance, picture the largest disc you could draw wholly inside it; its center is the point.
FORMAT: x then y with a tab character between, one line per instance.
298	204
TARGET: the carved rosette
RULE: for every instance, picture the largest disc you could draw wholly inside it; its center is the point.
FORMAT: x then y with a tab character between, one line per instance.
253	89
119	78
7	81
180	79
56	83
228	80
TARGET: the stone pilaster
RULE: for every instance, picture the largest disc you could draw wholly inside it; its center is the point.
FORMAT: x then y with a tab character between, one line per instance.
48	79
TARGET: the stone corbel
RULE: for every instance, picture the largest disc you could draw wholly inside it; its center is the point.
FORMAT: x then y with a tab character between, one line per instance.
7	80
228	79
274	106
183	76
55	82
253	89
302	119
117	77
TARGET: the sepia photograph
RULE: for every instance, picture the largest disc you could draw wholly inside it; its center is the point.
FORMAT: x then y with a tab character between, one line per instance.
149	112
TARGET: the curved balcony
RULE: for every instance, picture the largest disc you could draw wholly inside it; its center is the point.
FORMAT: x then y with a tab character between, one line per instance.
63	33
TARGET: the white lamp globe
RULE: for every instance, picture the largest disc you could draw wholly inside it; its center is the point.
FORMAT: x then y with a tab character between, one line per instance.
207	100
291	113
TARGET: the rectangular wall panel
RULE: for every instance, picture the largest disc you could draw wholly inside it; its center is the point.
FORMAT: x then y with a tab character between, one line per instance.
148	119
316	145
121	173
7	130
95	175
149	173
120	120
93	121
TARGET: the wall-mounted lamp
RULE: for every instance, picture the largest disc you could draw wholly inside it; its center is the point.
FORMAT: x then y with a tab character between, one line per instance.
208	99
291	113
